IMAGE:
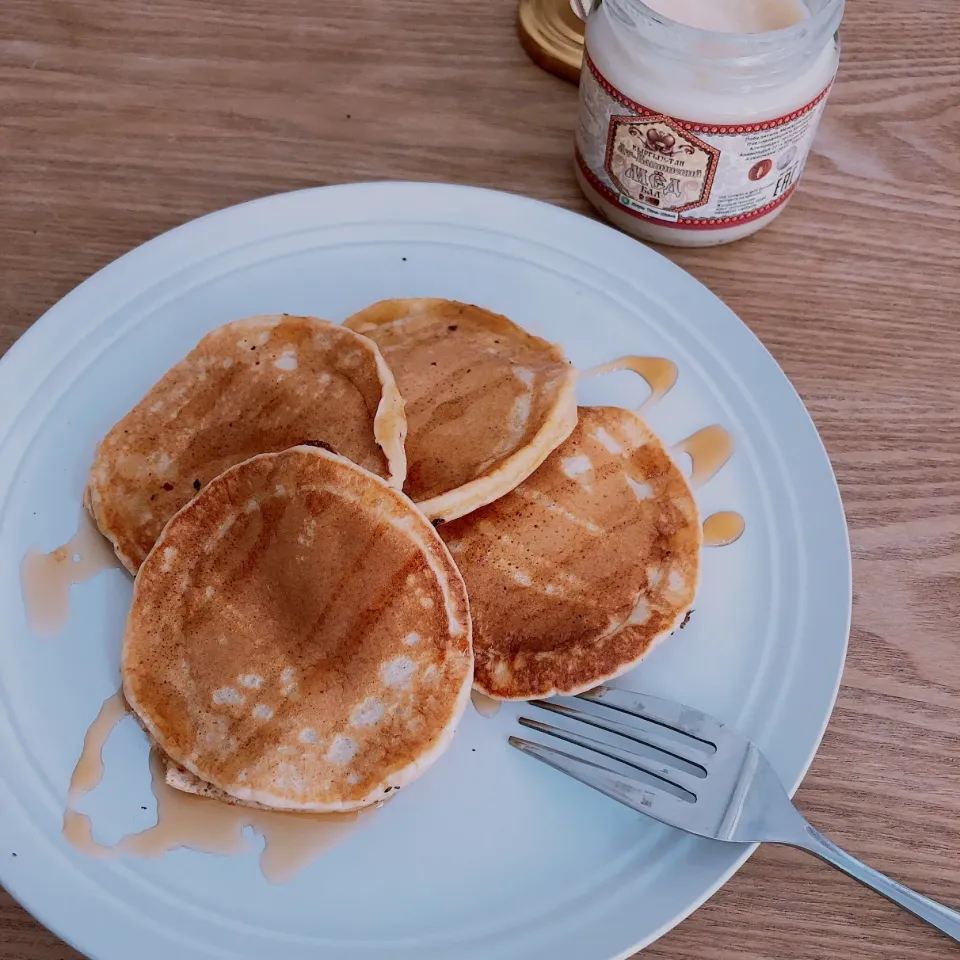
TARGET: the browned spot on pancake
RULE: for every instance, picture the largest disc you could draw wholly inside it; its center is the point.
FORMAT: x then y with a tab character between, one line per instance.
323	445
474	402
219	406
605	531
299	636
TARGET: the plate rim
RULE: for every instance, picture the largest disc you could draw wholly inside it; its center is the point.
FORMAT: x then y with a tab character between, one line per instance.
32	335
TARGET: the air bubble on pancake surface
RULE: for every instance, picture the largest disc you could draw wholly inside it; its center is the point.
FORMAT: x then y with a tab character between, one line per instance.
288	681
641	612
520	413
308	735
575	466
262	712
524	375
227	695
676	583
342	749
643	490
367	713
411	639
252	505
309	533
169	555
425	601
654	575
522	578
287	360
607	441
209	593
397	673
252	680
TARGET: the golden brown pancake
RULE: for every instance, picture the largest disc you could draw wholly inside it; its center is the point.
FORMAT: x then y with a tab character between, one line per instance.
486	402
253	386
299	636
579	571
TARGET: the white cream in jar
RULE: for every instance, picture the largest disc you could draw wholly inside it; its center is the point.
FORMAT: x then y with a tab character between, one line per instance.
696	116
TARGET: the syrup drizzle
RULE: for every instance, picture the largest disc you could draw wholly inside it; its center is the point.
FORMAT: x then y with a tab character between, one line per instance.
659	373
484	705
46	578
709	449
292	840
723	528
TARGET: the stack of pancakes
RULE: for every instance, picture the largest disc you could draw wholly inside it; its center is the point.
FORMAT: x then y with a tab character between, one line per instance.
307	507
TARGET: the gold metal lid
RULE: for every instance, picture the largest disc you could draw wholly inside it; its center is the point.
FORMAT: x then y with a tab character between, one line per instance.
552	35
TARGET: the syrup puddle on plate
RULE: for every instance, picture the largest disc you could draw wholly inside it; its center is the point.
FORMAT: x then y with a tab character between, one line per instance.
292	840
709	449
723	528
46	578
660	374
484	705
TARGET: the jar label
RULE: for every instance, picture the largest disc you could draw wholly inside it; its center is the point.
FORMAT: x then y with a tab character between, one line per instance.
683	174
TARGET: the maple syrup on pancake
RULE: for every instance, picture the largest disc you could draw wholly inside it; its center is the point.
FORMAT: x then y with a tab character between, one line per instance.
709	449
292	840
723	528
659	373
46	578
484	705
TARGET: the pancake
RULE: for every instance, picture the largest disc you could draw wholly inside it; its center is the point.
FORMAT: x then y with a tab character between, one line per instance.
576	574
186	782
253	386
299	636
486	402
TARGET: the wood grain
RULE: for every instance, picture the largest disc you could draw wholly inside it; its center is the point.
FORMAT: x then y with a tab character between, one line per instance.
122	118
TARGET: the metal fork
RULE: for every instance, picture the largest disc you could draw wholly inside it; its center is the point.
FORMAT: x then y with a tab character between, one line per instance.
688	770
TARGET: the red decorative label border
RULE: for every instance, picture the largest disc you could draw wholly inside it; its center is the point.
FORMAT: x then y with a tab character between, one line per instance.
716	128
687	223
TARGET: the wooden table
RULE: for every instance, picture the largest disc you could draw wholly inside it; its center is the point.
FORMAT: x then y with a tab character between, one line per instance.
122	118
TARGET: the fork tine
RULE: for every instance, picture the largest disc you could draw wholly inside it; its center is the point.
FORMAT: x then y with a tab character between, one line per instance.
666	713
673	780
636	795
692	760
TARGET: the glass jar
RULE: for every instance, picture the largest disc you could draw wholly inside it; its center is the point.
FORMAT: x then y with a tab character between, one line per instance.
695	137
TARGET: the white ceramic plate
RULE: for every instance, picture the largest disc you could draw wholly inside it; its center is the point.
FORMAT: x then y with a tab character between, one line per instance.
491	854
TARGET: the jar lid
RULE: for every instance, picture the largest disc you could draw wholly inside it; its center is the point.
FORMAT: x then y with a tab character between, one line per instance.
551	32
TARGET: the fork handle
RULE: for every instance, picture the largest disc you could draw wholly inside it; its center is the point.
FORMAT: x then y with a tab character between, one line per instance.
947	921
